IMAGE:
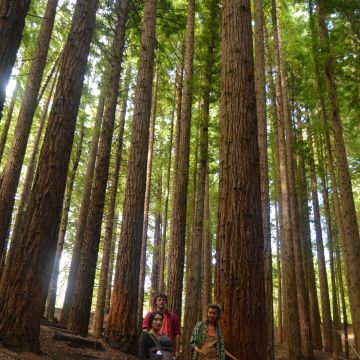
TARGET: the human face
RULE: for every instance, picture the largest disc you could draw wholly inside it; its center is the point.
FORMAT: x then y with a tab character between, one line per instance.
212	315
160	303
157	322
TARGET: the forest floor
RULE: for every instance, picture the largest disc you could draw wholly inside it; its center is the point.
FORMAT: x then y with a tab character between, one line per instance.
63	350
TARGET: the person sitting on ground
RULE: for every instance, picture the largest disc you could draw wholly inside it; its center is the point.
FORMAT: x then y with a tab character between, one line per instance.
207	339
153	344
171	323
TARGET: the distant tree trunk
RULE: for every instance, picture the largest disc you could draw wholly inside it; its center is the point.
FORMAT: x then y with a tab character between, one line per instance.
79	315
109	227
307	245
264	168
181	175
206	250
33	259
84	208
194	271
9	116
122	328
351	239
280	330
10	179
51	298
292	202
12	21
324	288
240	248
147	199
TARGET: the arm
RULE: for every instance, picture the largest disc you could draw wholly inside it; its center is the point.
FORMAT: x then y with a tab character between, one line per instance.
194	344
145	326
177	332
230	355
177	346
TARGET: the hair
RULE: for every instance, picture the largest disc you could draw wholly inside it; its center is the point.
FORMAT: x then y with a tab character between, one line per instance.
152	317
217	307
159	295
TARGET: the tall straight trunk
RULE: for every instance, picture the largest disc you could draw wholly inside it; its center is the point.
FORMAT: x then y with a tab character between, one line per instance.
109	227
8	119
84	207
264	167
30	172
181	174
324	288
147	199
161	285
302	296
51	298
79	315
122	327
280	329
351	240
206	251
194	274
10	179
307	246
240	248
337	343
12	22
33	260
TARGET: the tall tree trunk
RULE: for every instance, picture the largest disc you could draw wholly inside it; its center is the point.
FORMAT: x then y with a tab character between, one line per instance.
51	298
122	328
147	199
194	273
29	177
240	248
181	175
264	168
206	250
79	315
324	288
12	22
33	259
307	246
84	207
351	240
109	227
9	116
28	106
302	296
280	329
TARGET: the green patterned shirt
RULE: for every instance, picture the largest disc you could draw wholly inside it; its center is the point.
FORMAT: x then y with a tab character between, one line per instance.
199	336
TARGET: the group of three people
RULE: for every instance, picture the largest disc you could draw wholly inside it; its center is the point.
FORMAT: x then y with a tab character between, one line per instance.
161	335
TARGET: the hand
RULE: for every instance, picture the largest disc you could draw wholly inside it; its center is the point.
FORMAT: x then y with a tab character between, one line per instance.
177	355
201	352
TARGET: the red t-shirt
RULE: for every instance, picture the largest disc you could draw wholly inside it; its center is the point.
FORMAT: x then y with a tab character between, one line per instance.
170	326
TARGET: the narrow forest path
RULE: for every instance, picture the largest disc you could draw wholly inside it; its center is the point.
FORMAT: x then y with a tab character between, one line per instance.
60	350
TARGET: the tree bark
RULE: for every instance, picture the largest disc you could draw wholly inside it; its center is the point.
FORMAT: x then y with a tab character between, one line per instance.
28	106
51	298
12	22
122	328
147	199
264	168
84	208
33	260
240	248
181	175
351	240
109	227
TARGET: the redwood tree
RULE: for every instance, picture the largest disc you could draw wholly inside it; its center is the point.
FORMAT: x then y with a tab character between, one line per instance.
30	271
240	250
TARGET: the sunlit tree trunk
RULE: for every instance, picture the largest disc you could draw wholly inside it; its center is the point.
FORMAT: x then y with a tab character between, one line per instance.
122	327
33	260
240	248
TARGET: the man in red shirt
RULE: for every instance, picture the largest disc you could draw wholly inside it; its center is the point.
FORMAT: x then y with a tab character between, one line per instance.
171	323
